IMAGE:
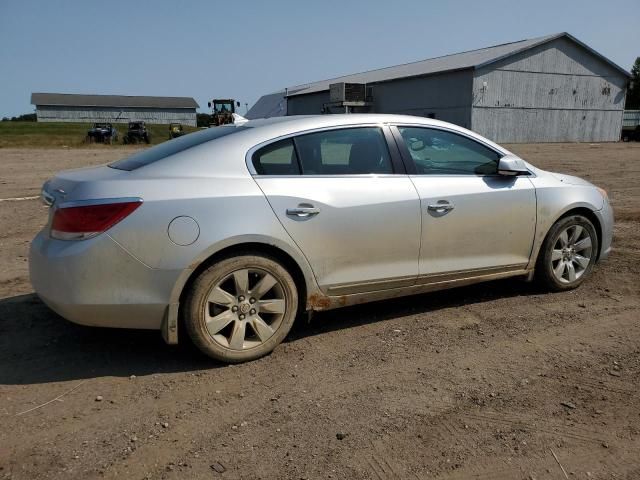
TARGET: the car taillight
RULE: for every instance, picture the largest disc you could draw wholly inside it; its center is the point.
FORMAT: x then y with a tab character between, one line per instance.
80	222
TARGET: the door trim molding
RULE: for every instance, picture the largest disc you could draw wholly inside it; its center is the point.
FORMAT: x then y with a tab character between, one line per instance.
336	301
363	287
425	279
429	278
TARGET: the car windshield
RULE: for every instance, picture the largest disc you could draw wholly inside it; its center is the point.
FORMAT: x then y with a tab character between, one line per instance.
153	154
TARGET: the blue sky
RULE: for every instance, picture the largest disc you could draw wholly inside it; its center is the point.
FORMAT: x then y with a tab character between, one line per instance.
243	49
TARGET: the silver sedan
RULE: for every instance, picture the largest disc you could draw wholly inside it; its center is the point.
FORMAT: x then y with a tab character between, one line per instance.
234	231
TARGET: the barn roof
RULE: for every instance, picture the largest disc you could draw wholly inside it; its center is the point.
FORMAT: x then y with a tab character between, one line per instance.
269	105
76	100
457	61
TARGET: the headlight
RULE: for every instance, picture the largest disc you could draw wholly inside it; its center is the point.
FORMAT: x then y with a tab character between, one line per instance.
604	193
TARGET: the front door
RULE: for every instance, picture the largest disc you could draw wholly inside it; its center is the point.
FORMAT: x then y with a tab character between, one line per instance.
337	194
474	221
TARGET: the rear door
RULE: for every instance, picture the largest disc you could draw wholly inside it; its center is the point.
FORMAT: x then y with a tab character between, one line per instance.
341	198
474	221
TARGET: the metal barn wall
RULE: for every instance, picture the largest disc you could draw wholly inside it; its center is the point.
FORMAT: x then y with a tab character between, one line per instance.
310	104
447	96
47	113
556	92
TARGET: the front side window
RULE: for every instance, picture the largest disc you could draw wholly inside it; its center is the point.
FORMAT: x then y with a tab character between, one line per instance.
438	152
277	158
349	151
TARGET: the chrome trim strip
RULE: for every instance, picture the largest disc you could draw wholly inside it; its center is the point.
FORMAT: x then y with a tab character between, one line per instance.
361	287
99	201
47	198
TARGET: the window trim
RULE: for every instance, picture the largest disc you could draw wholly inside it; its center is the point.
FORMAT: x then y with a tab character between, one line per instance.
409	162
397	164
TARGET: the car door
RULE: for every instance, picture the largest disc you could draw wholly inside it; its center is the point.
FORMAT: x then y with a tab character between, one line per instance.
474	221
340	196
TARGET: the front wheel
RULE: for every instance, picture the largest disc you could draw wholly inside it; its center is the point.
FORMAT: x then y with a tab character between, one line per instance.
241	308
568	254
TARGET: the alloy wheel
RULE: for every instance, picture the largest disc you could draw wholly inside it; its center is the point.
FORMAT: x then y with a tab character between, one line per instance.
571	254
245	308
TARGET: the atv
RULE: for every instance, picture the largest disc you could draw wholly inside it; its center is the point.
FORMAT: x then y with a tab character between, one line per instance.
102	133
137	133
175	130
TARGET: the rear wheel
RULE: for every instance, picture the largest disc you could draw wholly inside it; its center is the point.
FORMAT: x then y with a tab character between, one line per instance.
241	308
568	253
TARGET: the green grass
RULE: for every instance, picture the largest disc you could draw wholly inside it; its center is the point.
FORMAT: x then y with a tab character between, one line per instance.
34	134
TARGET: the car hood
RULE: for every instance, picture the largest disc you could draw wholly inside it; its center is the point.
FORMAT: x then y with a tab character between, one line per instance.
571	180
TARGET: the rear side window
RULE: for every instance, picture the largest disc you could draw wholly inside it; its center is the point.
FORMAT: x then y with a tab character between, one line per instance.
166	149
278	158
351	151
439	152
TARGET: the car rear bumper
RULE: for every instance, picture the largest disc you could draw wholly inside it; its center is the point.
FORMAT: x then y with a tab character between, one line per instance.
96	282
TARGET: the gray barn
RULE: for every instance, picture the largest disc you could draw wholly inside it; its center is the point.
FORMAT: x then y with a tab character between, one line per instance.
548	89
63	107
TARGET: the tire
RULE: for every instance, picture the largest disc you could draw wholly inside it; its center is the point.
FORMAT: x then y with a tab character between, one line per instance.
564	262
246	323
125	141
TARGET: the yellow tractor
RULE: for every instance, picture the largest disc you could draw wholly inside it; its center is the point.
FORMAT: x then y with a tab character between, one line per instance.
222	111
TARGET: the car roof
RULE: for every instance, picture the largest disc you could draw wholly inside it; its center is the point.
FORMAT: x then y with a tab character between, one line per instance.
263	129
341	119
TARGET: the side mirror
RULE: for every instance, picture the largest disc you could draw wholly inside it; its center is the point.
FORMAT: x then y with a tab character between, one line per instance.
209	103
510	165
237	104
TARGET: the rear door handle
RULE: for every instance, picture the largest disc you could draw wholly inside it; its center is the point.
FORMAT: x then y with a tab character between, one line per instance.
441	208
303	212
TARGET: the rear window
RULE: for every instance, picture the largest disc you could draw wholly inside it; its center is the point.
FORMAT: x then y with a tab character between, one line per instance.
278	158
174	146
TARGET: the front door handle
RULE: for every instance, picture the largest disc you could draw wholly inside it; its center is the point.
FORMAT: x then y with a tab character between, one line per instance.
441	208
303	212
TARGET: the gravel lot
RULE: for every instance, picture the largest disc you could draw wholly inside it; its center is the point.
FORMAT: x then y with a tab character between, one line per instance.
494	381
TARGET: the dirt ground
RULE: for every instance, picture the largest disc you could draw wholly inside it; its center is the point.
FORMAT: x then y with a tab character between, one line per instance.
494	381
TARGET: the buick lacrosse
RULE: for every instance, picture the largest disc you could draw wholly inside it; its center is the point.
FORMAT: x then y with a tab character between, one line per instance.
233	232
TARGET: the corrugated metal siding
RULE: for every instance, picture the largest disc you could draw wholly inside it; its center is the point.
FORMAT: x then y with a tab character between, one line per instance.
631	118
552	93
447	96
508	125
79	114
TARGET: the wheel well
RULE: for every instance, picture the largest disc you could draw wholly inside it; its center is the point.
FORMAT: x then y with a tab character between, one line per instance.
245	248
593	218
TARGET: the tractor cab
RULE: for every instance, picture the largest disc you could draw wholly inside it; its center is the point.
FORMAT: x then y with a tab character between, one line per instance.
222	111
